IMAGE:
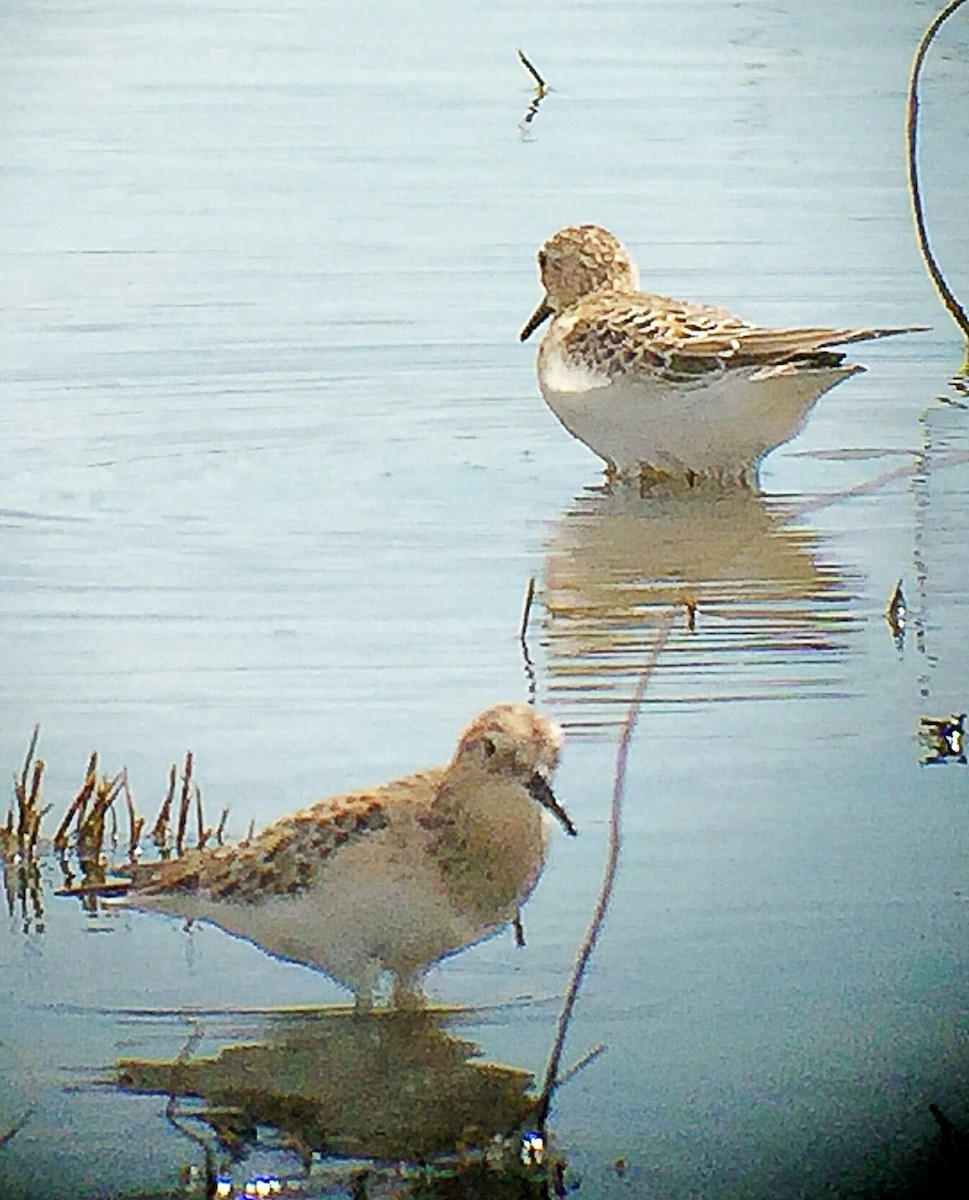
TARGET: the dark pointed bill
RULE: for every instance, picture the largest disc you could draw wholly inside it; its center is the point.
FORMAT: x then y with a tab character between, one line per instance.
541	791
542	313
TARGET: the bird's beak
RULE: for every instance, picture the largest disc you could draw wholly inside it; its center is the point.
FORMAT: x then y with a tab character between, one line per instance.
541	791
542	313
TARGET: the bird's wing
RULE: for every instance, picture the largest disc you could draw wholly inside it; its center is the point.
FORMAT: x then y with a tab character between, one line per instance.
622	333
287	857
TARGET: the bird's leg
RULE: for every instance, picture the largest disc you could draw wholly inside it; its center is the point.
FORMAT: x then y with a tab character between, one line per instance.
365	986
407	995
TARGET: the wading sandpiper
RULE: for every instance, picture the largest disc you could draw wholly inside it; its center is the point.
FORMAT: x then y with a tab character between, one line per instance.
392	878
652	384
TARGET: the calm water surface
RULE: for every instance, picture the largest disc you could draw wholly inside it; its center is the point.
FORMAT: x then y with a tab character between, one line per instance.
276	472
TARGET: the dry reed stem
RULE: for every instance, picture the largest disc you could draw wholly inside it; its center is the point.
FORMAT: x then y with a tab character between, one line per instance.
552	1078
541	91
183	805
34	796
28	757
79	803
529	67
90	831
28	803
220	829
159	831
526	608
20	790
136	824
203	833
34	832
531	682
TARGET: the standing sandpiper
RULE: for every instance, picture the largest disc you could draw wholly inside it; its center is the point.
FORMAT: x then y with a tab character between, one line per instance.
658	385
393	878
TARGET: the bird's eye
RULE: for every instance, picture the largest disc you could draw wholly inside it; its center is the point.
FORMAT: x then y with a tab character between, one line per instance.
488	746
542	259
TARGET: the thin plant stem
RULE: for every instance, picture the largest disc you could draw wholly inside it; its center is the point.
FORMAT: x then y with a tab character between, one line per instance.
956	311
608	881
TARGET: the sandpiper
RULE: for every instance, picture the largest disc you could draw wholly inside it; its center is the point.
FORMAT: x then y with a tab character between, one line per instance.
392	878
659	385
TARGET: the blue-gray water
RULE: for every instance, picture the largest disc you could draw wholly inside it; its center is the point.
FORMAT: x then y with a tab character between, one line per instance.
276	472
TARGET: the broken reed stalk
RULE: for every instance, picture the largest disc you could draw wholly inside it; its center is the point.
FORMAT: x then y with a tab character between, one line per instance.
552	1079
90	830
33	833
541	91
540	83
183	805
29	756
79	803
526	608
27	802
220	828
159	831
136	824
956	311
203	833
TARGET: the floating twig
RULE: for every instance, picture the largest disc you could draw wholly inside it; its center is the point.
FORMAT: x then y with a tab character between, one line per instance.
609	877
956	311
108	889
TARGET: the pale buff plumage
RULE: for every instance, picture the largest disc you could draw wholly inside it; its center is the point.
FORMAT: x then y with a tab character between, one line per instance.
647	382
392	878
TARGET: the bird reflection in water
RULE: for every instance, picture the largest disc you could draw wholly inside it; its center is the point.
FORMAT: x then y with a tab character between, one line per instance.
391	1086
759	599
